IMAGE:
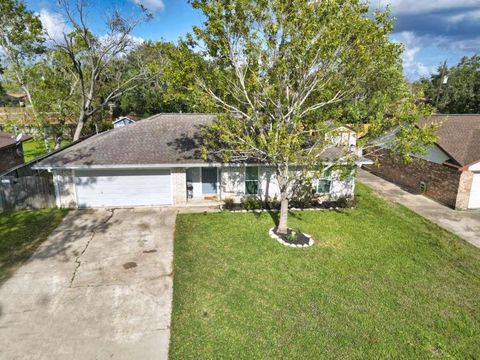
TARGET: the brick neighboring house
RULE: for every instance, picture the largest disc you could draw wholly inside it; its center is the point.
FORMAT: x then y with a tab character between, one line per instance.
11	151
450	171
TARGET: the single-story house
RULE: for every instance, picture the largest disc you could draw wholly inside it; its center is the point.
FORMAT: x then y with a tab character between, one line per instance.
11	150
157	162
450	172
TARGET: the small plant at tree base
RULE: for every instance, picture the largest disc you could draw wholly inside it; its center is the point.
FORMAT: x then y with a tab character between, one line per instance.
292	236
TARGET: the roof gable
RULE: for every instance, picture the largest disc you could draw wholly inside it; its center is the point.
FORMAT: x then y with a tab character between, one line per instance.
458	136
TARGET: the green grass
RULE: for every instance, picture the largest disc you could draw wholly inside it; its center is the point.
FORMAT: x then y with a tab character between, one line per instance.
21	232
35	148
380	283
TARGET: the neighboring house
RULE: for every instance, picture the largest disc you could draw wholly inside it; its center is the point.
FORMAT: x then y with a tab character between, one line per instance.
13	99
157	161
11	150
450	173
123	121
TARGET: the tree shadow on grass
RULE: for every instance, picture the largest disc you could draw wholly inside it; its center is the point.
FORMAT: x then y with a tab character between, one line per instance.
24	233
275	216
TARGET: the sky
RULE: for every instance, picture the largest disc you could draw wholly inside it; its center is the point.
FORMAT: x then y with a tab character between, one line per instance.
432	31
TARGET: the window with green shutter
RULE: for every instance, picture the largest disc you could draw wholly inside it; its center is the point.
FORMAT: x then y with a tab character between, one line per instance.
324	184
251	180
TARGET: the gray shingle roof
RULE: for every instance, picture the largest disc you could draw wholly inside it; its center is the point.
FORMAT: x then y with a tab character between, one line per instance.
459	136
159	140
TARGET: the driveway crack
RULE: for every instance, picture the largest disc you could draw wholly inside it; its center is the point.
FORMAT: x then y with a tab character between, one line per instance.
94	232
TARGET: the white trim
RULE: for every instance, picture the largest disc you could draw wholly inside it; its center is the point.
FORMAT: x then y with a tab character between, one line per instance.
166	166
475	166
75	188
172	189
219	183
245	180
317	180
126	166
57	190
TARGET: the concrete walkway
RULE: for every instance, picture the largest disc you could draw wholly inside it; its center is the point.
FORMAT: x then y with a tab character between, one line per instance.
99	288
465	224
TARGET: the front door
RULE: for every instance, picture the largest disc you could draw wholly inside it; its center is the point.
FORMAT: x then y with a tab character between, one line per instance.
209	181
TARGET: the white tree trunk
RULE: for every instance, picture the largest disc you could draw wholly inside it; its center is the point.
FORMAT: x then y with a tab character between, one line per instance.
283	222
79	128
282	178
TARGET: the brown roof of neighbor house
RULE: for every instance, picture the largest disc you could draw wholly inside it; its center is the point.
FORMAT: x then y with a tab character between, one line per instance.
458	136
17	95
7	139
159	140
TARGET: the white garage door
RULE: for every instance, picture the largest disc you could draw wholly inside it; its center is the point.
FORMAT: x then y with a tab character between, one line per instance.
123	188
474	202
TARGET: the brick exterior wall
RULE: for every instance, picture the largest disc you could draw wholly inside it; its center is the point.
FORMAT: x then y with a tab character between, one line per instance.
442	181
9	157
463	195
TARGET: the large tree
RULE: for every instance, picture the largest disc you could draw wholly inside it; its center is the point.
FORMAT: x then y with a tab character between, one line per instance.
98	61
172	86
21	42
456	90
54	87
294	71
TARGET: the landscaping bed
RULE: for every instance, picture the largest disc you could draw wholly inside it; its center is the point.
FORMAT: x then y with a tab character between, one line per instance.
293	238
380	282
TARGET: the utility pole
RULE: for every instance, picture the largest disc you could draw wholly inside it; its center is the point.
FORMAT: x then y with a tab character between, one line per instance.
443	80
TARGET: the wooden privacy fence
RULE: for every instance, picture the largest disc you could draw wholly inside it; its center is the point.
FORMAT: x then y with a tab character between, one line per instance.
27	192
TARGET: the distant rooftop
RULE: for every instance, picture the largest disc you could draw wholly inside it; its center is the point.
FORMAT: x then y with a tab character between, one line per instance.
7	139
459	136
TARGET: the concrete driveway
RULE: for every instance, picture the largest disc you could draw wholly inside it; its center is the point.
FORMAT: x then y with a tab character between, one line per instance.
99	288
465	224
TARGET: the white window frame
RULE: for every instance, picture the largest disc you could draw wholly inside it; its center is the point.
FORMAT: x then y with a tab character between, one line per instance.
328	178
245	180
324	179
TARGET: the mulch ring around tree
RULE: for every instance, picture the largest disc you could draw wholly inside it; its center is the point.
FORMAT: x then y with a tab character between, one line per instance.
293	238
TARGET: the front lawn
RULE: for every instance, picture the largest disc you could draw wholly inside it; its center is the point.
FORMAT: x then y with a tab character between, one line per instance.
21	232
381	282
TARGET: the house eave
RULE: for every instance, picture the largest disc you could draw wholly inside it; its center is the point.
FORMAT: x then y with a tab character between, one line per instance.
161	166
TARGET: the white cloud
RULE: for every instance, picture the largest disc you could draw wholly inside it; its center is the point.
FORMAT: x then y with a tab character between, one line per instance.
54	24
468	16
422	6
133	41
151	5
413	68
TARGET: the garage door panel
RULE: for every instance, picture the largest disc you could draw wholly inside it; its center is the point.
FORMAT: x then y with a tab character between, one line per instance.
474	202
123	188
